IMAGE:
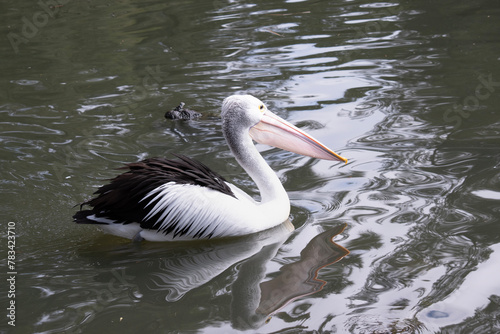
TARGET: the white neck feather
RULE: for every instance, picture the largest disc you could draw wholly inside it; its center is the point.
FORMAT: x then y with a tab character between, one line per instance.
270	187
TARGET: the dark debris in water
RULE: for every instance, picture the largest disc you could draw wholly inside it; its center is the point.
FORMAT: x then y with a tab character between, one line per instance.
180	112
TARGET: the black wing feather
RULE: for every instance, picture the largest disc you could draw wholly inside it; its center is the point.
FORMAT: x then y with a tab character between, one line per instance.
120	199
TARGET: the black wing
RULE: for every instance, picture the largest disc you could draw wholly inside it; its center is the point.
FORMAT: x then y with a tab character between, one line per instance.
120	199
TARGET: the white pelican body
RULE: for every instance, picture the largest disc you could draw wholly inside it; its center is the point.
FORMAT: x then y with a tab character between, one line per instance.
181	199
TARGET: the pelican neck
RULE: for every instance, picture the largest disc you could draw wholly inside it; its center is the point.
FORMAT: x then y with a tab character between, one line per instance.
247	155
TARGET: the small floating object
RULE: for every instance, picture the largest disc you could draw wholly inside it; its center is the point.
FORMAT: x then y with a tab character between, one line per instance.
180	113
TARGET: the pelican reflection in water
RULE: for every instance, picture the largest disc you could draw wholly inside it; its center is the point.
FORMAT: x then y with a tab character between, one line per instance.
232	266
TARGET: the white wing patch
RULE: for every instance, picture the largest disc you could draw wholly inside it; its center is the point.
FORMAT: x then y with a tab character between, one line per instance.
194	211
101	220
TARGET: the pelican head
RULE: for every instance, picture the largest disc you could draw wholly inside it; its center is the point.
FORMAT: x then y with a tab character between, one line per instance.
249	114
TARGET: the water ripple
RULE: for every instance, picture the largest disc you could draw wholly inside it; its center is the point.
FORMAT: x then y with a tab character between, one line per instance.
373	80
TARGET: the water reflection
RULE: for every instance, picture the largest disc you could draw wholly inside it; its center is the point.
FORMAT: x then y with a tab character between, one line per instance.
320	252
294	280
166	276
393	84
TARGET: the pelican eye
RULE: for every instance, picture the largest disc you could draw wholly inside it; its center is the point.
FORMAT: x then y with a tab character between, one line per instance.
261	107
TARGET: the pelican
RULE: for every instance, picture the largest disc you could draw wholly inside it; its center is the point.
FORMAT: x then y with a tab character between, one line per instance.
181	199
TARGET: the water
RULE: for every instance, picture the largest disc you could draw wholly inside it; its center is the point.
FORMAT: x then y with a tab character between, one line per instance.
407	91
